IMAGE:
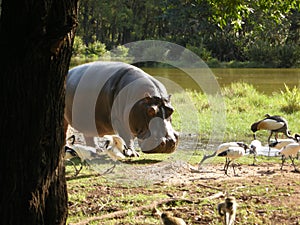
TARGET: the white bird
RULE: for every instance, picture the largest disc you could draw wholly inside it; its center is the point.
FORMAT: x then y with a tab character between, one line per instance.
255	145
280	143
290	150
275	124
69	155
84	153
231	154
115	147
222	147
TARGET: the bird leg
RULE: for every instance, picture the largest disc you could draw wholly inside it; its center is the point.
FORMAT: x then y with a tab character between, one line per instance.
110	170
293	159
224	169
78	171
227	166
282	161
269	142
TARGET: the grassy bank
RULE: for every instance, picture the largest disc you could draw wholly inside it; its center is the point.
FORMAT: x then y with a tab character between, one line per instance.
243	105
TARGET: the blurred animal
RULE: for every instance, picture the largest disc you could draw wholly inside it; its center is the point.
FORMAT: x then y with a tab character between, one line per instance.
227	210
168	219
275	124
115	147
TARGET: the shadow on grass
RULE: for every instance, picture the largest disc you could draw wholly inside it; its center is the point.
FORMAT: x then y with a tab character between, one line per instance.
143	161
79	176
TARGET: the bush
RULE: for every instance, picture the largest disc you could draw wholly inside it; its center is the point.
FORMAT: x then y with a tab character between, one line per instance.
96	49
287	55
79	47
291	100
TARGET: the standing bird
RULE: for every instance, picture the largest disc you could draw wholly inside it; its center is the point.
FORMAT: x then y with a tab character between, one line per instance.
291	150
221	148
231	154
255	145
227	210
275	124
69	155
84	153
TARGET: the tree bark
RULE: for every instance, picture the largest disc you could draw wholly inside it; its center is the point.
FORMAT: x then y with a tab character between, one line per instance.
36	45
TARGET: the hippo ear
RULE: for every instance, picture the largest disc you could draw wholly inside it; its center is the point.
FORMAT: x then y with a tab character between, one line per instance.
152	110
147	98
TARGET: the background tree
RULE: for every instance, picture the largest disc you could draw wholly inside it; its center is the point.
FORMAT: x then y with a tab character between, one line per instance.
36	43
227	30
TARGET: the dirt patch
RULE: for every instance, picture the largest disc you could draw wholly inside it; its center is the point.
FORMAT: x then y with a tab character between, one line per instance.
265	195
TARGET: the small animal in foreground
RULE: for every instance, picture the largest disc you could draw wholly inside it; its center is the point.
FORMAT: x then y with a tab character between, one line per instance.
221	148
168	219
275	124
227	210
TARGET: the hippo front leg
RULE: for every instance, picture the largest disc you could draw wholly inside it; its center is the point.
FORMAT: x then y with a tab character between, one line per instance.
129	140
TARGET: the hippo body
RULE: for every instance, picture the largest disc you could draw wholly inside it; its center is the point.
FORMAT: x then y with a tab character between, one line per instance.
114	97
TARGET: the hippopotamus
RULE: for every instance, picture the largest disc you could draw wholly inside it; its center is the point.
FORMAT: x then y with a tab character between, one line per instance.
104	98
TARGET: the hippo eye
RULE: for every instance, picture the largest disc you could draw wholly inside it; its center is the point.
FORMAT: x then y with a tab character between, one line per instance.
152	110
168	111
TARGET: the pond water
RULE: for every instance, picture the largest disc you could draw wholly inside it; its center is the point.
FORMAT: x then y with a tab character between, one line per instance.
264	80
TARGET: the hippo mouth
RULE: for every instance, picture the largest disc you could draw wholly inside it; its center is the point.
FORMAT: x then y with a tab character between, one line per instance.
159	145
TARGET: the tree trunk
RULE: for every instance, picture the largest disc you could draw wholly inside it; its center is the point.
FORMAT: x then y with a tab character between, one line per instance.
36	42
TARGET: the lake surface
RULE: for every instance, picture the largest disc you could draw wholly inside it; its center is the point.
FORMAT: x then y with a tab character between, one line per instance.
264	80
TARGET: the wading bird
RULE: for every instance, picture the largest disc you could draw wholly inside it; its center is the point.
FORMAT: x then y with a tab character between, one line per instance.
231	154
291	150
255	145
227	210
221	148
275	124
83	152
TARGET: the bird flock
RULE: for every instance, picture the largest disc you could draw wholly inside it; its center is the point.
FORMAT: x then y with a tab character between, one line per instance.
286	148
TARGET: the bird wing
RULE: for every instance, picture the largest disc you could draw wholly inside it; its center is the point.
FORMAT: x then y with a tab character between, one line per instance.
224	146
270	124
233	152
290	149
115	154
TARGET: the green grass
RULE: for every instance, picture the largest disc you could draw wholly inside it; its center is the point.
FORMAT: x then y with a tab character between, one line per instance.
243	106
260	200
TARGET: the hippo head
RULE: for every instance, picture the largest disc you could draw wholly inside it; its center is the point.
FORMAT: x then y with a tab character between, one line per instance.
150	122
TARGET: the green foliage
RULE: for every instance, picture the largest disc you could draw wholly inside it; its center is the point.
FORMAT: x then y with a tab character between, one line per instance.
79	47
95	49
254	31
291	98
